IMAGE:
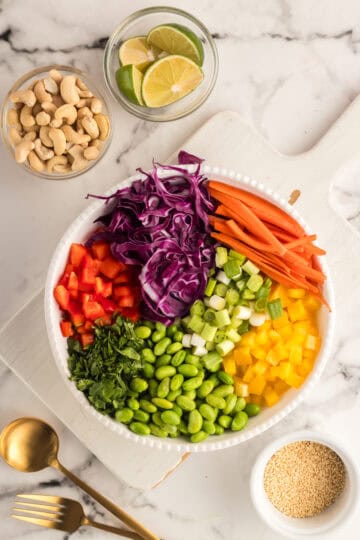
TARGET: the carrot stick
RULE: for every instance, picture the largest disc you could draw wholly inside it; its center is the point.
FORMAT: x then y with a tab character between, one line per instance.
262	208
301	241
239	233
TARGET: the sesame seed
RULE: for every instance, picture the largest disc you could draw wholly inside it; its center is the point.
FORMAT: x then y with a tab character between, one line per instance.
303	478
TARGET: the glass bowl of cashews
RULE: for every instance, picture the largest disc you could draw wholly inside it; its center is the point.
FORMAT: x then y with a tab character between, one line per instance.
55	122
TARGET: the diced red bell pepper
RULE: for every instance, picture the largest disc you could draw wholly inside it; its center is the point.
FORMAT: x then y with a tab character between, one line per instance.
89	270
74	293
111	268
105	320
100	250
81	329
62	296
86	339
108	305
93	310
77	252
66	274
126	276
131	313
126	301
78	319
123	290
102	287
89	325
66	328
73	282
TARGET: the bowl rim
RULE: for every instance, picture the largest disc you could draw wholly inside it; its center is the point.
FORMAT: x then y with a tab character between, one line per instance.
18	84
178	444
139	111
256	482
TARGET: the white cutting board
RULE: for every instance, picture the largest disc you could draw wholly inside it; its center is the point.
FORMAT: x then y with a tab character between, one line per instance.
225	140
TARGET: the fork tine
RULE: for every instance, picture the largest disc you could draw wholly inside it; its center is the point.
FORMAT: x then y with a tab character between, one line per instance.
45	498
52	508
38	513
42	522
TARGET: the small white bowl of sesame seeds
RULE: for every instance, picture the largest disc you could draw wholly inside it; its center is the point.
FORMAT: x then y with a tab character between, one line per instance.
305	484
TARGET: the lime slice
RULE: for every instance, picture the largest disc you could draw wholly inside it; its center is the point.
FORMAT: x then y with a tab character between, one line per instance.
129	80
138	52
170	79
177	39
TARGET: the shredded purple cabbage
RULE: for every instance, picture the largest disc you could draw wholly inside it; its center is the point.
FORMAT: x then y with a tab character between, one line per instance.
162	225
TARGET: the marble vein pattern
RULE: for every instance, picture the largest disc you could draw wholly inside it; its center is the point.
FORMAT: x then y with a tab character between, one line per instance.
290	67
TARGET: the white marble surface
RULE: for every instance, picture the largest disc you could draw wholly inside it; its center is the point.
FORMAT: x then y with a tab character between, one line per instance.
290	68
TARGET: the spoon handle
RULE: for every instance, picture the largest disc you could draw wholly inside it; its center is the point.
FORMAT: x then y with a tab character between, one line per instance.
106	503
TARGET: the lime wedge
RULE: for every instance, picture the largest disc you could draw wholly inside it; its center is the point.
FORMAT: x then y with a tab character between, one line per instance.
177	39
129	80
170	79
138	52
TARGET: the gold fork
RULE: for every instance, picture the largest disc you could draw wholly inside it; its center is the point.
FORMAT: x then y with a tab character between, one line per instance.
59	513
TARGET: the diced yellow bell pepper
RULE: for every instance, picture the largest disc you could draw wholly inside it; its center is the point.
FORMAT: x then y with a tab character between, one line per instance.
255	399
280	351
296	293
248	339
249	374
296	354
262	338
274	336
310	342
241	388
294	380
260	367
257	385
284	370
285	331
279	291
297	311
229	365
272	358
305	367
259	353
270	396
280	387
312	303
280	321
242	356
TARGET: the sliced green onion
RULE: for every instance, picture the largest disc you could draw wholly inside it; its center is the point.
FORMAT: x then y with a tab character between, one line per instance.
260	304
198	308
222	277
235	255
243	328
241	284
221	256
210	287
248	295
250	268
263	292
225	347
222	317
219	336
217	302
274	308
254	282
196	324
209	316
232	297
212	361
208	332
210	346
233	335
221	289
232	268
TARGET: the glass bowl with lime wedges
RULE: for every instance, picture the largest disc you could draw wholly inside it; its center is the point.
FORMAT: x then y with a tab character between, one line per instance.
160	64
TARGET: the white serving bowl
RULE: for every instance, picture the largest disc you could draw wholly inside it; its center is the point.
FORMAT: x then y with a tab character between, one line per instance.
79	230
329	521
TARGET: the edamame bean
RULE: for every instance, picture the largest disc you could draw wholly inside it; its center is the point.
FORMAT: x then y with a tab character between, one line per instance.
225	378
157	336
163	360
214	379
138	385
224	421
192	384
161	346
171	330
124	415
190	394
185	403
176	381
148	370
153	386
188	370
160	327
219	430
177	409
195	421
240	405
164	371
223	390
139	428
174	348
157	431
178	336
170	417
173	394
172	430
175	434
230	403
149	324
199	437
183	427
178	358
252	409
163	388
156	418
193	360
162	403
142	416
133	404
207	412
205	389
148	355
239	421
208	427
142	332
216	401
147	406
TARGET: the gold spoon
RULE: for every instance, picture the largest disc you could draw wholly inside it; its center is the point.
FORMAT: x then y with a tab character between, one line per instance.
30	445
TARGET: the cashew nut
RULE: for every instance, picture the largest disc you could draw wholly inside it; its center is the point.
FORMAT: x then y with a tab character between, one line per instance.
28	129
26	118
97	143
51	86
66	112
42	118
12	118
73	136
35	163
31	136
96	105
59	140
85	94
14	136
91	153
56	75
68	90
49	107
80	84
77	152
22	150
24	96
84	111
44	136
103	123
90	126
56	160
41	94
42	151
63	169
83	103
58	100
56	122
